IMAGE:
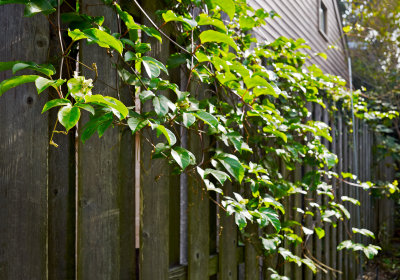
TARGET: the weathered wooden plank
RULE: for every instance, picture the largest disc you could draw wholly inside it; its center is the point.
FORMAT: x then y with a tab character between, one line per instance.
61	189
227	243
252	270
340	188
327	226
346	164
333	230
309	246
23	147
198	219
318	249
174	221
105	178
155	186
298	217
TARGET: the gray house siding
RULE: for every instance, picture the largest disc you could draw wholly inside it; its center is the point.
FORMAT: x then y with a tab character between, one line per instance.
300	19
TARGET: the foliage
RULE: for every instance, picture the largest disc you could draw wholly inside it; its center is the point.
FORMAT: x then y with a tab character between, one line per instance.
374	39
254	105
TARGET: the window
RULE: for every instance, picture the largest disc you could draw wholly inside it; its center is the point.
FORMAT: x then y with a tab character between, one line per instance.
323	19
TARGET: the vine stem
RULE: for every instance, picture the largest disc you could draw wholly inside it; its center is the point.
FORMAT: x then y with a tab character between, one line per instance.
60	36
158	29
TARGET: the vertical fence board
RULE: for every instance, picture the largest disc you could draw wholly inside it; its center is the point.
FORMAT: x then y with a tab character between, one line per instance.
308	274
327	226
105	182
227	243
155	186
340	189
23	147
297	216
251	261
198	221
61	188
318	249
333	230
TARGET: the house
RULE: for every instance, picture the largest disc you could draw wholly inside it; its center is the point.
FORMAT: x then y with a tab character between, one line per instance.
316	21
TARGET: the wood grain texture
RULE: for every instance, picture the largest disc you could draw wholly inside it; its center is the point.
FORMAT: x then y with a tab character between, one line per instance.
155	186
227	242
61	189
23	148
105	178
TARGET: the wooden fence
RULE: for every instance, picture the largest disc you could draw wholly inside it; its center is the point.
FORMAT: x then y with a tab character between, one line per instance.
104	210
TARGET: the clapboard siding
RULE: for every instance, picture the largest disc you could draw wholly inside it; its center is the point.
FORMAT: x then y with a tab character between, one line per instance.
299	19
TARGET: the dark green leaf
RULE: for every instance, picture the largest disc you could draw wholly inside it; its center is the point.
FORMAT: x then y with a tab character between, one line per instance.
207	118
181	156
136	124
188	119
232	164
85	107
167	133
146	95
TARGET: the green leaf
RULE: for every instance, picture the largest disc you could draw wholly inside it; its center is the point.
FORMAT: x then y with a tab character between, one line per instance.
232	164
136	124
33	7
176	59
218	37
181	156
167	133
94	123
160	105
204	19
129	56
146	95
364	231
7	65
85	107
46	69
228	6
16	81
127	18
272	217
54	103
171	16
207	118
103	39
371	250
320	232
108	101
69	116
188	119
155	62
350	199
270	244
217	174
150	31
43	83
256	81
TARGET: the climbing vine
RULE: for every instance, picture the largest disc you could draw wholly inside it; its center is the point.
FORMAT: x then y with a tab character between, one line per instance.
251	100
